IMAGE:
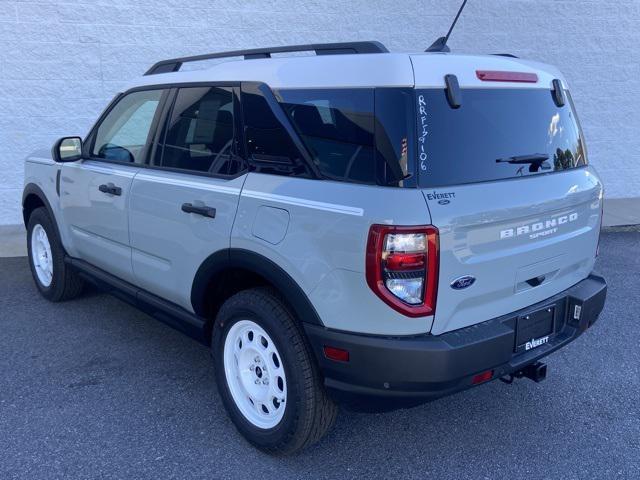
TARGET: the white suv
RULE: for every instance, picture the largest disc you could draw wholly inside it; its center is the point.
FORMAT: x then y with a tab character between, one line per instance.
360	225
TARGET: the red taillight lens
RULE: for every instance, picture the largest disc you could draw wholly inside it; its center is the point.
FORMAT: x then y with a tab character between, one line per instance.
500	76
405	261
402	267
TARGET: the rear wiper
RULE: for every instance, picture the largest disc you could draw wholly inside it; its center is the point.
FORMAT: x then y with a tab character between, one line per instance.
535	161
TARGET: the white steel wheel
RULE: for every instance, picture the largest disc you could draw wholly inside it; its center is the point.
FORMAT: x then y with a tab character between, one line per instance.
41	255
255	374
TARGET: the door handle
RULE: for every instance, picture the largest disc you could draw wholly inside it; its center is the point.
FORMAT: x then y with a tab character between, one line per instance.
111	189
204	210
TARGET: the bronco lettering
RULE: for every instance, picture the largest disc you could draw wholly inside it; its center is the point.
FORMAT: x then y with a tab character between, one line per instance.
539	229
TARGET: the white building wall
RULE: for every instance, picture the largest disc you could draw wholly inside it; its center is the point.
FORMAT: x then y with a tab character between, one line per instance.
61	61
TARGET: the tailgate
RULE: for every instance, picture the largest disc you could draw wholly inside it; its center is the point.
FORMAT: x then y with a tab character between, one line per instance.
505	175
514	243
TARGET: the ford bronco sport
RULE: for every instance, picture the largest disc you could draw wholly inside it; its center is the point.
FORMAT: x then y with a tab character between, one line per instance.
357	225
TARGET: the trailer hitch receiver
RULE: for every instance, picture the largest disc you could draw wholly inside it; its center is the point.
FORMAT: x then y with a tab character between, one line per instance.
536	372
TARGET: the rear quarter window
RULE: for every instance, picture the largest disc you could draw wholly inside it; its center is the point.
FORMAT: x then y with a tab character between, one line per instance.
337	128
355	135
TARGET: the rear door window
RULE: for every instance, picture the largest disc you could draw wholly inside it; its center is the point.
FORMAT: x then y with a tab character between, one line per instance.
457	146
200	133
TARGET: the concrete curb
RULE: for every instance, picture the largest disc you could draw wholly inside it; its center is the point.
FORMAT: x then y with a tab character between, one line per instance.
621	212
13	241
621	228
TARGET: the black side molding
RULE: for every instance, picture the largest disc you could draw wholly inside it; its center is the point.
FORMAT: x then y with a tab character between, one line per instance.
58	173
194	324
167	312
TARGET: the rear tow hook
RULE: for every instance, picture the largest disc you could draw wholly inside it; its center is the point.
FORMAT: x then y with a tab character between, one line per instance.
536	372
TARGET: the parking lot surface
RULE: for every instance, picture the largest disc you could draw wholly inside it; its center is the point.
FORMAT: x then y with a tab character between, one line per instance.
93	388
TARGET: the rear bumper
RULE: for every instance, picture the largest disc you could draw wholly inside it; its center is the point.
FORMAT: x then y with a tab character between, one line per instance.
419	368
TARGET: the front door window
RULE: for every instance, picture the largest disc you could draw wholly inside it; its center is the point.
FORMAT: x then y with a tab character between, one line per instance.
122	135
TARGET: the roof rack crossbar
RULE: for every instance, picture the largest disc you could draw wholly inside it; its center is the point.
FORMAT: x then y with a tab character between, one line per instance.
174	64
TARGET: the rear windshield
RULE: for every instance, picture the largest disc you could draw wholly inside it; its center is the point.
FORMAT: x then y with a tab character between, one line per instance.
457	146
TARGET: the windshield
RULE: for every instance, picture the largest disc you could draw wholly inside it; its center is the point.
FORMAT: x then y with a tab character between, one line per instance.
457	146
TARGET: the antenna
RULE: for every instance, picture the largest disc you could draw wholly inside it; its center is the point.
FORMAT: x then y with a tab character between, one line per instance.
440	45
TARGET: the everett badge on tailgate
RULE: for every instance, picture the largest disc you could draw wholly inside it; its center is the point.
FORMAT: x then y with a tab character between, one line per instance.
443	198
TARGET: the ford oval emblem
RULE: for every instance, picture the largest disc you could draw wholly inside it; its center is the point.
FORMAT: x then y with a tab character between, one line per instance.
444	202
463	282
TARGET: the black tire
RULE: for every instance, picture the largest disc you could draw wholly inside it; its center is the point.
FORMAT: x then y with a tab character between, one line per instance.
309	412
65	282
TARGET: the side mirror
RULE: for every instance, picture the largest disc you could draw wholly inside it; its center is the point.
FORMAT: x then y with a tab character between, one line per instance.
67	149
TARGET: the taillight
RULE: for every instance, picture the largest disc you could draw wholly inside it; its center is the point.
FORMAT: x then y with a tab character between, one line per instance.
402	267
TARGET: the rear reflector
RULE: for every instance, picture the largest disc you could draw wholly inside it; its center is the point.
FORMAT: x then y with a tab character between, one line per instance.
482	377
500	76
337	354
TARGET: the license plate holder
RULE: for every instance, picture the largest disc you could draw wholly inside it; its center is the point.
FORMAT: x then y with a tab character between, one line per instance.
535	328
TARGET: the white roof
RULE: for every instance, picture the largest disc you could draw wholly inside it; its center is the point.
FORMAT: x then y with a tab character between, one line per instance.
421	70
430	69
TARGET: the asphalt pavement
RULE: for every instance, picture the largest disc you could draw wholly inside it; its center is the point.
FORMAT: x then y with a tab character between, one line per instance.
93	388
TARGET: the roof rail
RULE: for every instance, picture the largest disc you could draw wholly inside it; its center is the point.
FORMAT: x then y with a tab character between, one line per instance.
174	64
